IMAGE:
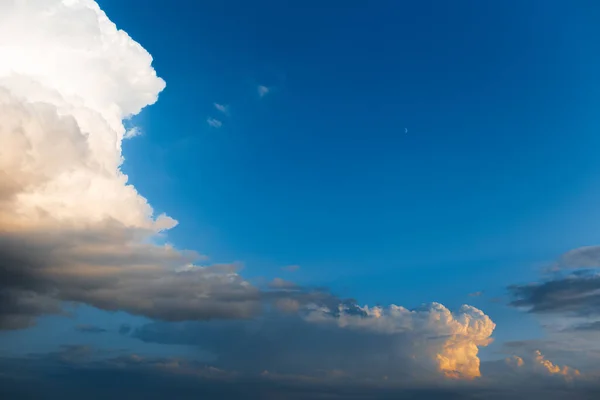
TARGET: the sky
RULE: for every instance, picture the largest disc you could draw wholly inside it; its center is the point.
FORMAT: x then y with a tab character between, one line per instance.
299	200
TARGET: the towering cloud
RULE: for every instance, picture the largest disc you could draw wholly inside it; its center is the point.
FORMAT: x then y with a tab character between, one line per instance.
448	339
71	227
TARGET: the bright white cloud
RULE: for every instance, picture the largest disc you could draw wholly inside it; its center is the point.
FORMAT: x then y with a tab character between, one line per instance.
71	226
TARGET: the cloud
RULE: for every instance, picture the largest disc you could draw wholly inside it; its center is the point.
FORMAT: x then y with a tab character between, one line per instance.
588	326
263	90
215	123
476	294
278	283
550	368
515	361
582	257
71	226
222	108
572	288
76	369
454	337
426	344
538	364
113	268
573	294
132	132
89	329
290	268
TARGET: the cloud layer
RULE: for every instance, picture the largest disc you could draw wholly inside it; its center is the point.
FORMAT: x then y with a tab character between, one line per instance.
74	370
394	343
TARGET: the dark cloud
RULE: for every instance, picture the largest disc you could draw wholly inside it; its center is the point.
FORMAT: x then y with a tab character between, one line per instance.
89	329
590	326
111	269
575	294
287	345
76	372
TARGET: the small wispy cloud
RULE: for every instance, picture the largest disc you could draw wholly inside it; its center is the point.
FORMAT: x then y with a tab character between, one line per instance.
279	283
263	90
215	123
132	132
476	294
290	268
222	108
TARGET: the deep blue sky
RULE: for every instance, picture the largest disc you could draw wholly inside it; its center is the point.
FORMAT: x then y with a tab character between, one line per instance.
493	179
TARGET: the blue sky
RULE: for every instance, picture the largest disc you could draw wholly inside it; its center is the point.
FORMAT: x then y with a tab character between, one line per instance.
496	171
399	153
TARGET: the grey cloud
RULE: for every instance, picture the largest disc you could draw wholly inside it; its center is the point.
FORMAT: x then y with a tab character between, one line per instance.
347	339
289	345
73	370
591	326
112	269
19	308
582	257
575	294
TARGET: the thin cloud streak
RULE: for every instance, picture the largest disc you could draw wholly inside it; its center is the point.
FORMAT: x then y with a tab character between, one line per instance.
213	122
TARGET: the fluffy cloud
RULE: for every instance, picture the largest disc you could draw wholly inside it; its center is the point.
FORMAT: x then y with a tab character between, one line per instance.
71	227
452	338
550	368
539	364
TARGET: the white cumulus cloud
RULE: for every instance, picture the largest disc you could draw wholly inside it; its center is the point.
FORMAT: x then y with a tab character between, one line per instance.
71	226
